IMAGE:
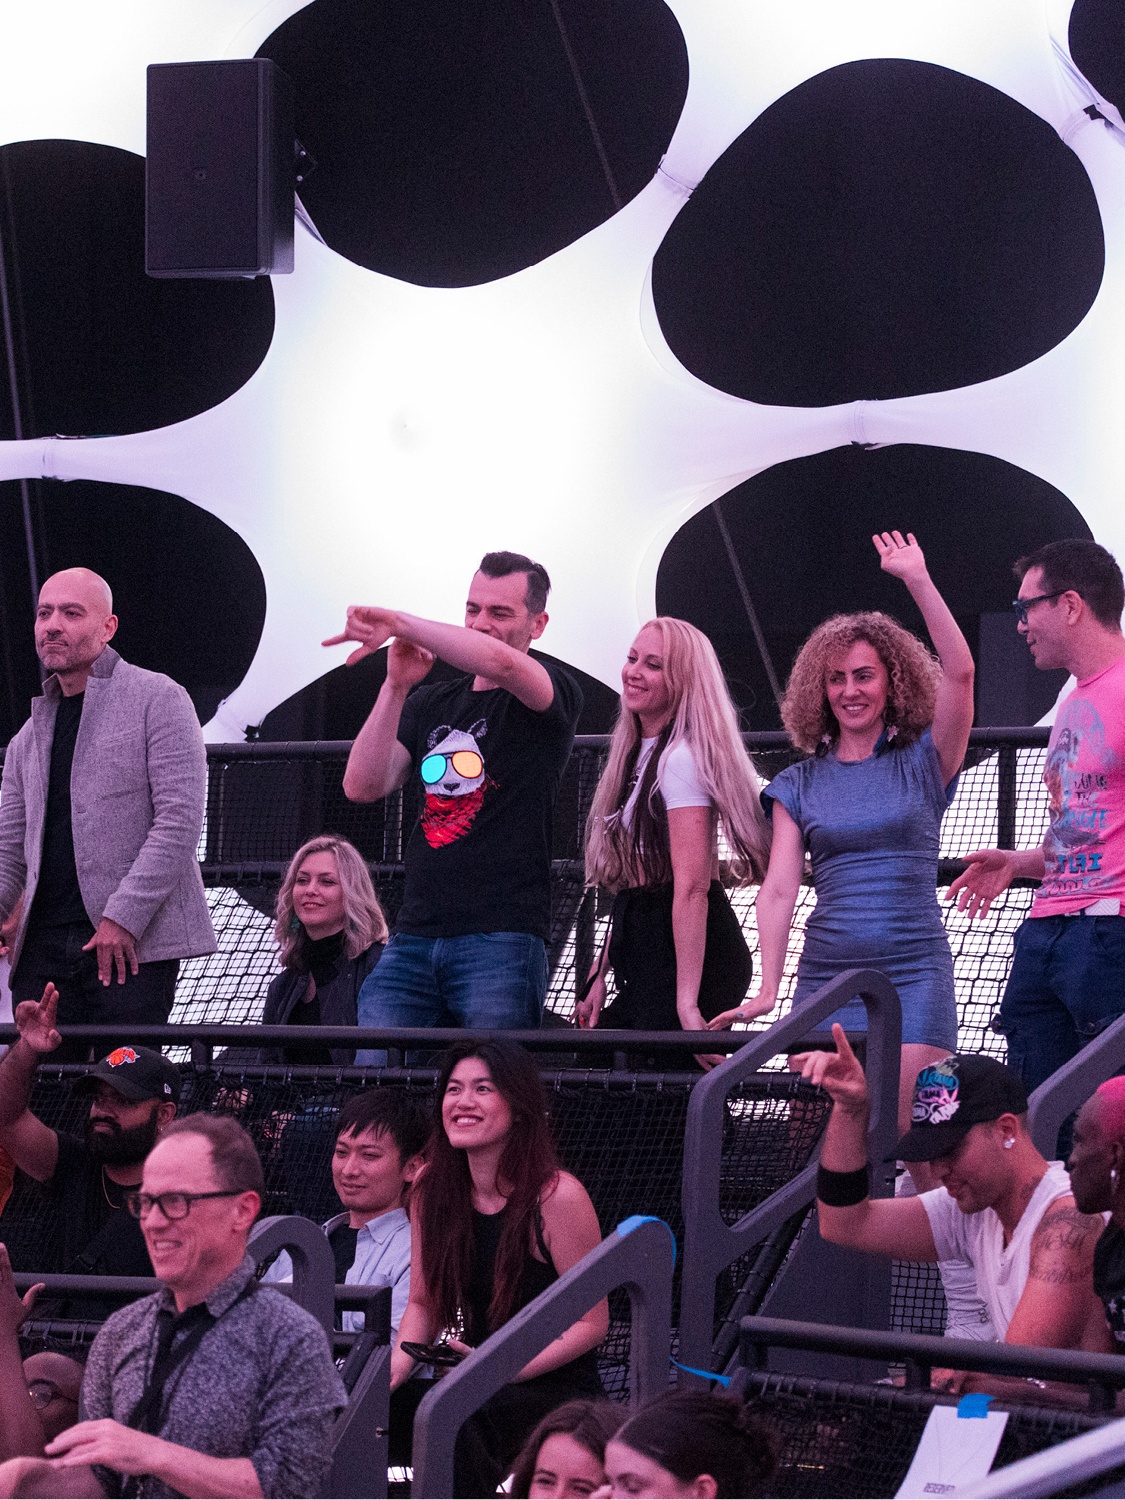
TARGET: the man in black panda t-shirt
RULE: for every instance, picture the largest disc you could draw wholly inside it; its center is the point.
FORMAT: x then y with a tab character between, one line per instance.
469	946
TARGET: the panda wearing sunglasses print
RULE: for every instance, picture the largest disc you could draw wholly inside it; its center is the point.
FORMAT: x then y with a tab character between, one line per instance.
455	782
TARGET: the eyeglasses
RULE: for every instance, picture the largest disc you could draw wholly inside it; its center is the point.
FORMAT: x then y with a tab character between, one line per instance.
172	1205
467	763
43	1392
1021	606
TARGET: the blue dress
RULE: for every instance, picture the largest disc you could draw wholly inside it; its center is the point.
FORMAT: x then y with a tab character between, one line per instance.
872	830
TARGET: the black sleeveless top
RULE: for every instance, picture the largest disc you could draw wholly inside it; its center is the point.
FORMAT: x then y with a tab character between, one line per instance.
537	1276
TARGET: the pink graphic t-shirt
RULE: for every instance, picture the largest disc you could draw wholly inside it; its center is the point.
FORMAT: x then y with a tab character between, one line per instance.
1084	849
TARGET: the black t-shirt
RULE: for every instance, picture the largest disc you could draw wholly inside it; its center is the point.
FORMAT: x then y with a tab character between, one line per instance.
100	1237
343	1240
479	858
1109	1280
58	898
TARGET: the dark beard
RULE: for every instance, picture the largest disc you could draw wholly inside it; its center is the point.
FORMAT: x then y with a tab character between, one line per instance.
116	1147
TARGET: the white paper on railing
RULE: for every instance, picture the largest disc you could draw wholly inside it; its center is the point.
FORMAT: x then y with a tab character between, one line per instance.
955	1450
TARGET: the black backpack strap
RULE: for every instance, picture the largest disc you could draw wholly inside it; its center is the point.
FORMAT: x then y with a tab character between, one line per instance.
147	1415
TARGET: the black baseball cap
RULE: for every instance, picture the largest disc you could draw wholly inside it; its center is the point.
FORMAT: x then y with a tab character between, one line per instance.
952	1096
135	1072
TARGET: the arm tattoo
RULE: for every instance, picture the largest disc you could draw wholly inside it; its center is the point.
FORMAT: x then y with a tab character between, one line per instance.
1062	1248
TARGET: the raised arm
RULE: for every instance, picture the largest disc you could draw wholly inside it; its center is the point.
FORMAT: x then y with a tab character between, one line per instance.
777	898
472	651
33	1146
378	762
953	711
881	1226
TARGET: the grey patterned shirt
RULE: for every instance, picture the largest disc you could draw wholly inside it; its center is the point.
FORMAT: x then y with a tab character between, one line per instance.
261	1385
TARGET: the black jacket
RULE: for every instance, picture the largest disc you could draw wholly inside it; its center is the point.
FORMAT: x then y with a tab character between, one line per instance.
337	998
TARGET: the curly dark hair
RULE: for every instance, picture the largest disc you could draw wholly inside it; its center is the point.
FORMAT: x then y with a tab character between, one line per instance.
913	673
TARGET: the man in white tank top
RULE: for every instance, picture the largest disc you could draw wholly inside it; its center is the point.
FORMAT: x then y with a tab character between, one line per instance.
1001	1207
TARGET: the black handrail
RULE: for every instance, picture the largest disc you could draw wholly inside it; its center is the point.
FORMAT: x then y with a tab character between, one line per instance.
1104	1374
710	1243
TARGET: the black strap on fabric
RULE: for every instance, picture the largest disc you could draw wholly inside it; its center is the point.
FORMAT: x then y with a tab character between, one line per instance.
147	1415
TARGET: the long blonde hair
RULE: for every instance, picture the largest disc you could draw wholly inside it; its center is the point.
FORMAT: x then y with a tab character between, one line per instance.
703	718
364	922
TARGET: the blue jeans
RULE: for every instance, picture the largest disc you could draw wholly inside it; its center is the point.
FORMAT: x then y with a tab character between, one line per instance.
496	981
1067	983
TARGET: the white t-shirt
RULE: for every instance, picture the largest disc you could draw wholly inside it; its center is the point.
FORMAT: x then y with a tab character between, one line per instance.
677	778
1001	1271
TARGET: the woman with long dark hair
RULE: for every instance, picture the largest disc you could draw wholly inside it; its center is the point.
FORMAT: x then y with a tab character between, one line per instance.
564	1458
677	773
494	1221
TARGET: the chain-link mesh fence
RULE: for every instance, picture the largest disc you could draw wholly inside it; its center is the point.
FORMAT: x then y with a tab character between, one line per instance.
622	1136
839	1439
265	800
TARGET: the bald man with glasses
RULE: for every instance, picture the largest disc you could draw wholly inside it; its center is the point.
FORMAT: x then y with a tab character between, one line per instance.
1067	981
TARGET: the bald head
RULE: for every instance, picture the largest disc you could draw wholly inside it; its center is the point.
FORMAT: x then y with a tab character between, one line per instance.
73	625
82	584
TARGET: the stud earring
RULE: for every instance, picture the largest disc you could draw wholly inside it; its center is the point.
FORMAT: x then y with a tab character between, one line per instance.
1008	1145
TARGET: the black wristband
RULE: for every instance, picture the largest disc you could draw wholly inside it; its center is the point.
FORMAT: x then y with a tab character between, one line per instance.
843	1189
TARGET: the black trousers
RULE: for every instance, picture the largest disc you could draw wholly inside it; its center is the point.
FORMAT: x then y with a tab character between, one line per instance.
54	954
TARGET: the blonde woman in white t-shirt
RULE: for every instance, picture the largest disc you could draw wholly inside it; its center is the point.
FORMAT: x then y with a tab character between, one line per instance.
677	769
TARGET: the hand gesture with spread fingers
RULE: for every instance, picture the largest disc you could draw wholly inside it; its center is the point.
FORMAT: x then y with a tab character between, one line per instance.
35	1021
838	1073
371	626
900	556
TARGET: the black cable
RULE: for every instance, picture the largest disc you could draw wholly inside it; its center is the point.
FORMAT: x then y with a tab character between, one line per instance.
595	134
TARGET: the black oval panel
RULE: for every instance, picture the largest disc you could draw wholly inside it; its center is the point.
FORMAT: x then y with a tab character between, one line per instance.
187	589
886	228
1096	37
462	140
802	535
100	347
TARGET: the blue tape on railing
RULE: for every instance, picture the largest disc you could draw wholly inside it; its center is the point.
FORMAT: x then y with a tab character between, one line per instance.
628	1225
723	1380
973	1406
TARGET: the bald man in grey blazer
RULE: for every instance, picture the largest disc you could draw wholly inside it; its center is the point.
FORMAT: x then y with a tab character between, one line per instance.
101	809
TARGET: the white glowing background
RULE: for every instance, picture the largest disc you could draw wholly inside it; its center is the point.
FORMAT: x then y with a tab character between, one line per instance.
544	412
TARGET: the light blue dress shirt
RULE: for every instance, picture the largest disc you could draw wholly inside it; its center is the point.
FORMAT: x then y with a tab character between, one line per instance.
382	1256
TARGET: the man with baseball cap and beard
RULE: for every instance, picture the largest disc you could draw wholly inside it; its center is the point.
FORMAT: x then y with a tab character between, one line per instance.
1001	1207
134	1093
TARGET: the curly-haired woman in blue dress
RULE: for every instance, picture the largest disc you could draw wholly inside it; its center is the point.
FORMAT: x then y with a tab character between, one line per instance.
885	726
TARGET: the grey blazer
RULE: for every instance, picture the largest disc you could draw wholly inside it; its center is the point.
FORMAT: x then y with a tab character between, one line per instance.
138	790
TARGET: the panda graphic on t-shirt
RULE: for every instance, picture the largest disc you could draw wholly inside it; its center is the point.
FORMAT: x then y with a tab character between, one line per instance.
455	782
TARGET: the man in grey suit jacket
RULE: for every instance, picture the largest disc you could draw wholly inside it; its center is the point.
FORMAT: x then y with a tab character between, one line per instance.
101	808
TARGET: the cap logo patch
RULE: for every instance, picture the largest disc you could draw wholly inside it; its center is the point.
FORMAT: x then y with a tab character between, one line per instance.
936	1098
121	1055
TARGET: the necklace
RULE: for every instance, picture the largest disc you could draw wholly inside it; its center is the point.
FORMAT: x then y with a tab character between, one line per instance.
105	1190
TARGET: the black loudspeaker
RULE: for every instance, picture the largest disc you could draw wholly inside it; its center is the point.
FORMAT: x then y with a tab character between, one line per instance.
220	173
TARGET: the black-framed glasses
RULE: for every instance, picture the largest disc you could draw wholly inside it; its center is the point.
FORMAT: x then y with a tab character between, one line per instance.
43	1392
173	1205
1021	606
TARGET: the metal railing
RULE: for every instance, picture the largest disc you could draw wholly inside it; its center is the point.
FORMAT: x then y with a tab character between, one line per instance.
1058	1469
638	1258
1102	1374
710	1244
1070	1086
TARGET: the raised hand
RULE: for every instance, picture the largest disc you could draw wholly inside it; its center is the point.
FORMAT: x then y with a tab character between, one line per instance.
14	1309
901	558
407	664
987	873
371	626
838	1073
35	1021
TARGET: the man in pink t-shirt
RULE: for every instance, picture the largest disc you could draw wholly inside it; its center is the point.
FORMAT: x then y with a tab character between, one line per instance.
1067	981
